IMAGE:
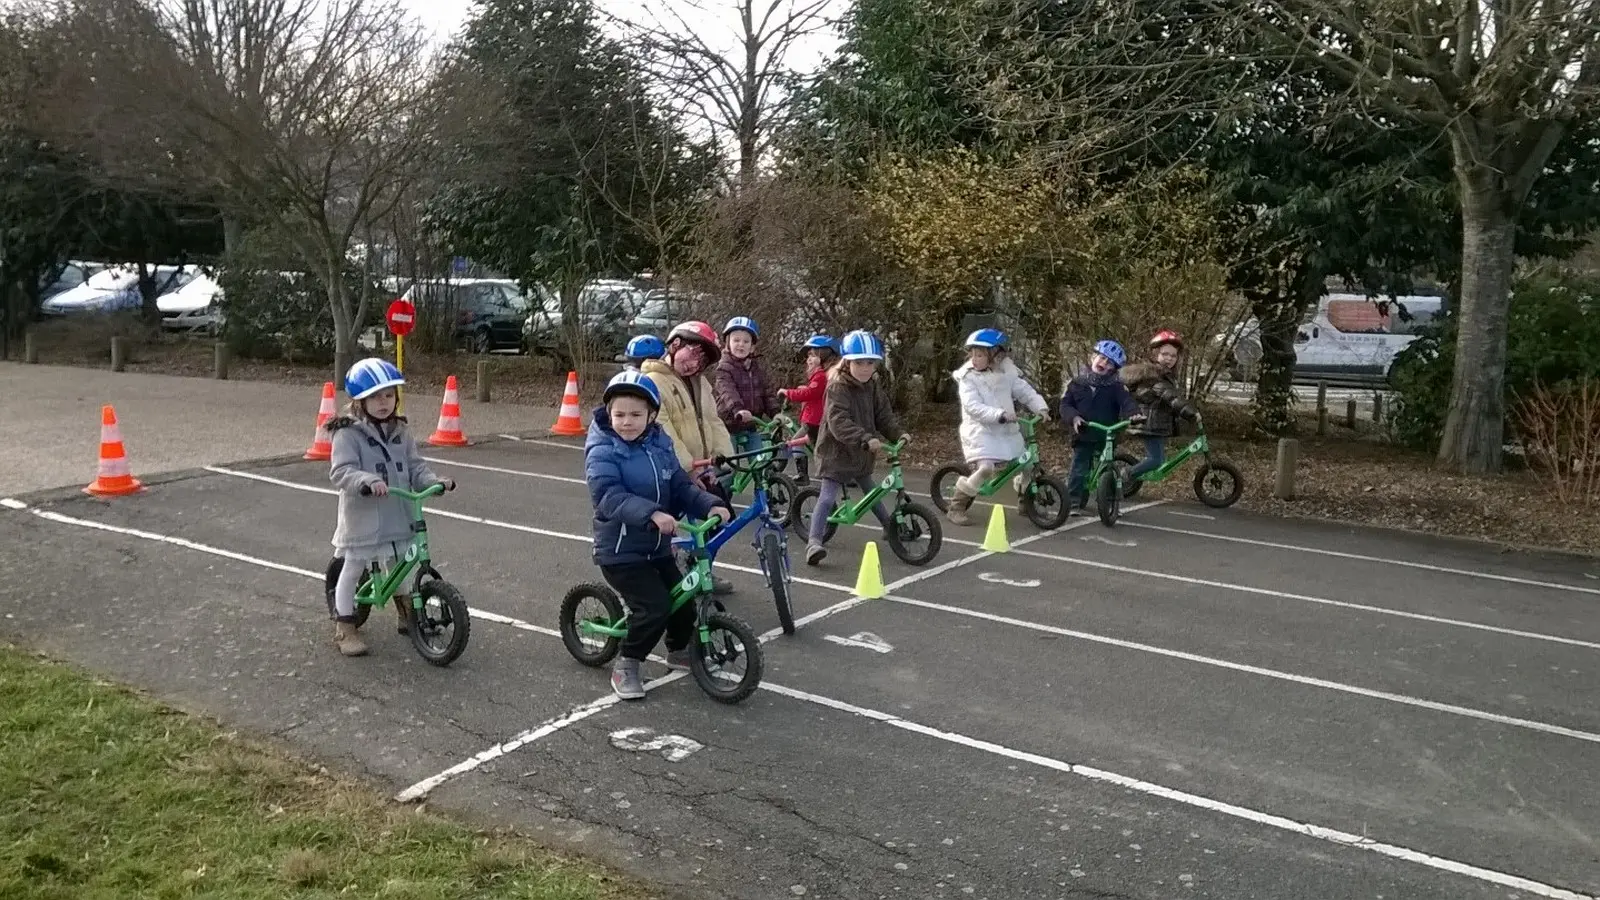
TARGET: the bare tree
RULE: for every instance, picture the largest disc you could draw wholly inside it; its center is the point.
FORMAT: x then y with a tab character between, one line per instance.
1502	83
741	95
307	116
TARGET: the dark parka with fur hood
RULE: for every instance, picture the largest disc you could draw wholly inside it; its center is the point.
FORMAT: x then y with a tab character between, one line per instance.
1159	399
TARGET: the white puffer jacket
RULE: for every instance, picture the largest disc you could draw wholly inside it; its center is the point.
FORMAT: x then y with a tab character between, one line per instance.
985	396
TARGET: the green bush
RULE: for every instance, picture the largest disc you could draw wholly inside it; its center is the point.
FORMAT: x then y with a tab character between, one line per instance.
283	315
1552	338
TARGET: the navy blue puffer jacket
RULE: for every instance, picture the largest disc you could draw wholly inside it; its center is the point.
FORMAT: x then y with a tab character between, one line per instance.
629	481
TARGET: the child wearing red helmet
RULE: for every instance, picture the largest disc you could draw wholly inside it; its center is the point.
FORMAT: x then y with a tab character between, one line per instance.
1154	387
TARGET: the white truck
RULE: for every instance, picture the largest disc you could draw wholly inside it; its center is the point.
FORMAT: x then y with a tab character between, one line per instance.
1349	339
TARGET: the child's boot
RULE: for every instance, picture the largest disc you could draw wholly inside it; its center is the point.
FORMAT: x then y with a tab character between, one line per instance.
347	638
959	504
402	609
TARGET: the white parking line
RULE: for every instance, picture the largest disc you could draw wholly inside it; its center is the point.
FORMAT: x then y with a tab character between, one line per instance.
1319	551
551	726
437	460
1304	829
1305	598
1450	708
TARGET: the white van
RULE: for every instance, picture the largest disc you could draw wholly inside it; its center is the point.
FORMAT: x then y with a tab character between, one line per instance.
1349	338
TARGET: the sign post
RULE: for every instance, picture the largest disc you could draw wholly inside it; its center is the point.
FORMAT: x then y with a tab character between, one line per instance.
401	318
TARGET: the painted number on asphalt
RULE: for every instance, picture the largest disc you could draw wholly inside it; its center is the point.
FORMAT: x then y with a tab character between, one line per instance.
997	578
864	639
673	747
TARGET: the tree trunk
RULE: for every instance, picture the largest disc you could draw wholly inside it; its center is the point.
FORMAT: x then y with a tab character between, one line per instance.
1474	426
344	344
1272	411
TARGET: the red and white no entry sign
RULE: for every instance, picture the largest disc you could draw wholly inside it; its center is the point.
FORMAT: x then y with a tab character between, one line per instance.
402	318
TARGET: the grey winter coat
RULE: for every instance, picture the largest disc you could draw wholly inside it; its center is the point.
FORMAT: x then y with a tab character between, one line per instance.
362	455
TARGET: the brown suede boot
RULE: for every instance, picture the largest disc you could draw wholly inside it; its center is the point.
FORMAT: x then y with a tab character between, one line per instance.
348	639
959	504
402	609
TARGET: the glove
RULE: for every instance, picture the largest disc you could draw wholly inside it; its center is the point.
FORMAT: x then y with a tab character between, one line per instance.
1007	418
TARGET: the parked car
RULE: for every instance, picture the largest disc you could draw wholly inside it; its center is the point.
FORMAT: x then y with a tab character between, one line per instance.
115	289
193	307
605	309
488	313
73	274
662	309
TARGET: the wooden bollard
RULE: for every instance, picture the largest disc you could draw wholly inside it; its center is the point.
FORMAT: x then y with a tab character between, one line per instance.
1377	409
119	354
1288	460
219	360
1322	421
1350	414
483	381
1322	395
30	348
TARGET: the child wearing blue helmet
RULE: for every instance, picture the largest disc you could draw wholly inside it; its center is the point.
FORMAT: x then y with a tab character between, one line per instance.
857	420
1097	395
643	347
373	450
639	491
991	388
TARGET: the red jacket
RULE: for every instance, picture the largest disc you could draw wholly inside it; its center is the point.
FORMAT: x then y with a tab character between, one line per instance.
810	397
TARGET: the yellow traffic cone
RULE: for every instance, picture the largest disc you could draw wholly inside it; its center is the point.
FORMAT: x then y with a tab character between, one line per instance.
869	581
995	540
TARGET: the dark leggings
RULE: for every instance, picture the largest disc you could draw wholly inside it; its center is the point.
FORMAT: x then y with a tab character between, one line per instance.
828	498
802	459
646	590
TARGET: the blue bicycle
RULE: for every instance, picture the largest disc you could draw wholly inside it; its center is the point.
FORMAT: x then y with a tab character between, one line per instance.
770	541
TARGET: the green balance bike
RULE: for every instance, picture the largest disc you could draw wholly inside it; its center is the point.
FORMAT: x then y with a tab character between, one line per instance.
1109	472
1217	483
727	658
913	533
780	489
439	624
782	429
1043	500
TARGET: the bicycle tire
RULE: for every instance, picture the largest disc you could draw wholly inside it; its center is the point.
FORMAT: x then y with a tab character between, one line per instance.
720	689
775	562
1108	498
1030	508
780	496
1227	468
568	624
936	483
930	525
454	606
805	499
330	581
1130	487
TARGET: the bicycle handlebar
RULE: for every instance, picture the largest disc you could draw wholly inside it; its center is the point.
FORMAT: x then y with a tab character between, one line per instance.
718	461
1109	429
432	490
700	531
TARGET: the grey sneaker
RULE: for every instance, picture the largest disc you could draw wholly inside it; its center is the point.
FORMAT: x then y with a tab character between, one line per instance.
625	679
815	554
680	660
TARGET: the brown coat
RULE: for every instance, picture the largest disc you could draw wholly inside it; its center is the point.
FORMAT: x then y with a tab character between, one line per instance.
853	414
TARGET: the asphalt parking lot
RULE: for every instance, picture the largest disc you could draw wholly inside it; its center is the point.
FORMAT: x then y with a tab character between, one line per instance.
1197	703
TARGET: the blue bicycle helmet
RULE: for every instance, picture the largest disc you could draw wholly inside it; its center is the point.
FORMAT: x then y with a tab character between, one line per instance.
1113	351
861	345
821	342
632	383
991	338
370	376
742	323
645	346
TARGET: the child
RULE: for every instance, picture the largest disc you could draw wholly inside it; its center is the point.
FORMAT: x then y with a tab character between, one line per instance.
856	421
743	390
1155	390
639	491
1095	395
372	449
688	405
821	354
990	387
641	348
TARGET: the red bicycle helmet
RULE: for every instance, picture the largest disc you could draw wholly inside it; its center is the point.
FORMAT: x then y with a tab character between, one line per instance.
1167	336
699	333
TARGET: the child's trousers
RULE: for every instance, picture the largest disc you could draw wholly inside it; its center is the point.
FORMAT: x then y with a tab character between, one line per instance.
1083	457
828	498
646	590
356	563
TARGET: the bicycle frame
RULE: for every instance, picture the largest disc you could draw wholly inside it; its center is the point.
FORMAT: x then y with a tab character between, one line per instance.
694	584
385	583
759	508
1108	451
1199	445
893	483
1029	458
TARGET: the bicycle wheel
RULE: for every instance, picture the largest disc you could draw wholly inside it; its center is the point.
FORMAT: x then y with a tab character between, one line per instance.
780	495
913	523
1130	486
731	641
1045	502
805	500
775	562
942	486
590	649
1219	484
441	627
330	581
1108	496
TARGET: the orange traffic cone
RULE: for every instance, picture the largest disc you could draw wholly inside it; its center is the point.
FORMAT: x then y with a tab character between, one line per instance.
448	434
321	441
113	479
570	422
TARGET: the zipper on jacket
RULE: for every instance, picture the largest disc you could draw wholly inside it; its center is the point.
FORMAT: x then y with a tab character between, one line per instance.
655	476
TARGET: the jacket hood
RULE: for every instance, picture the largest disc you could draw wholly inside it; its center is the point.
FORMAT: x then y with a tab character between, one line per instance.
338	422
1004	367
601	432
1140	371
